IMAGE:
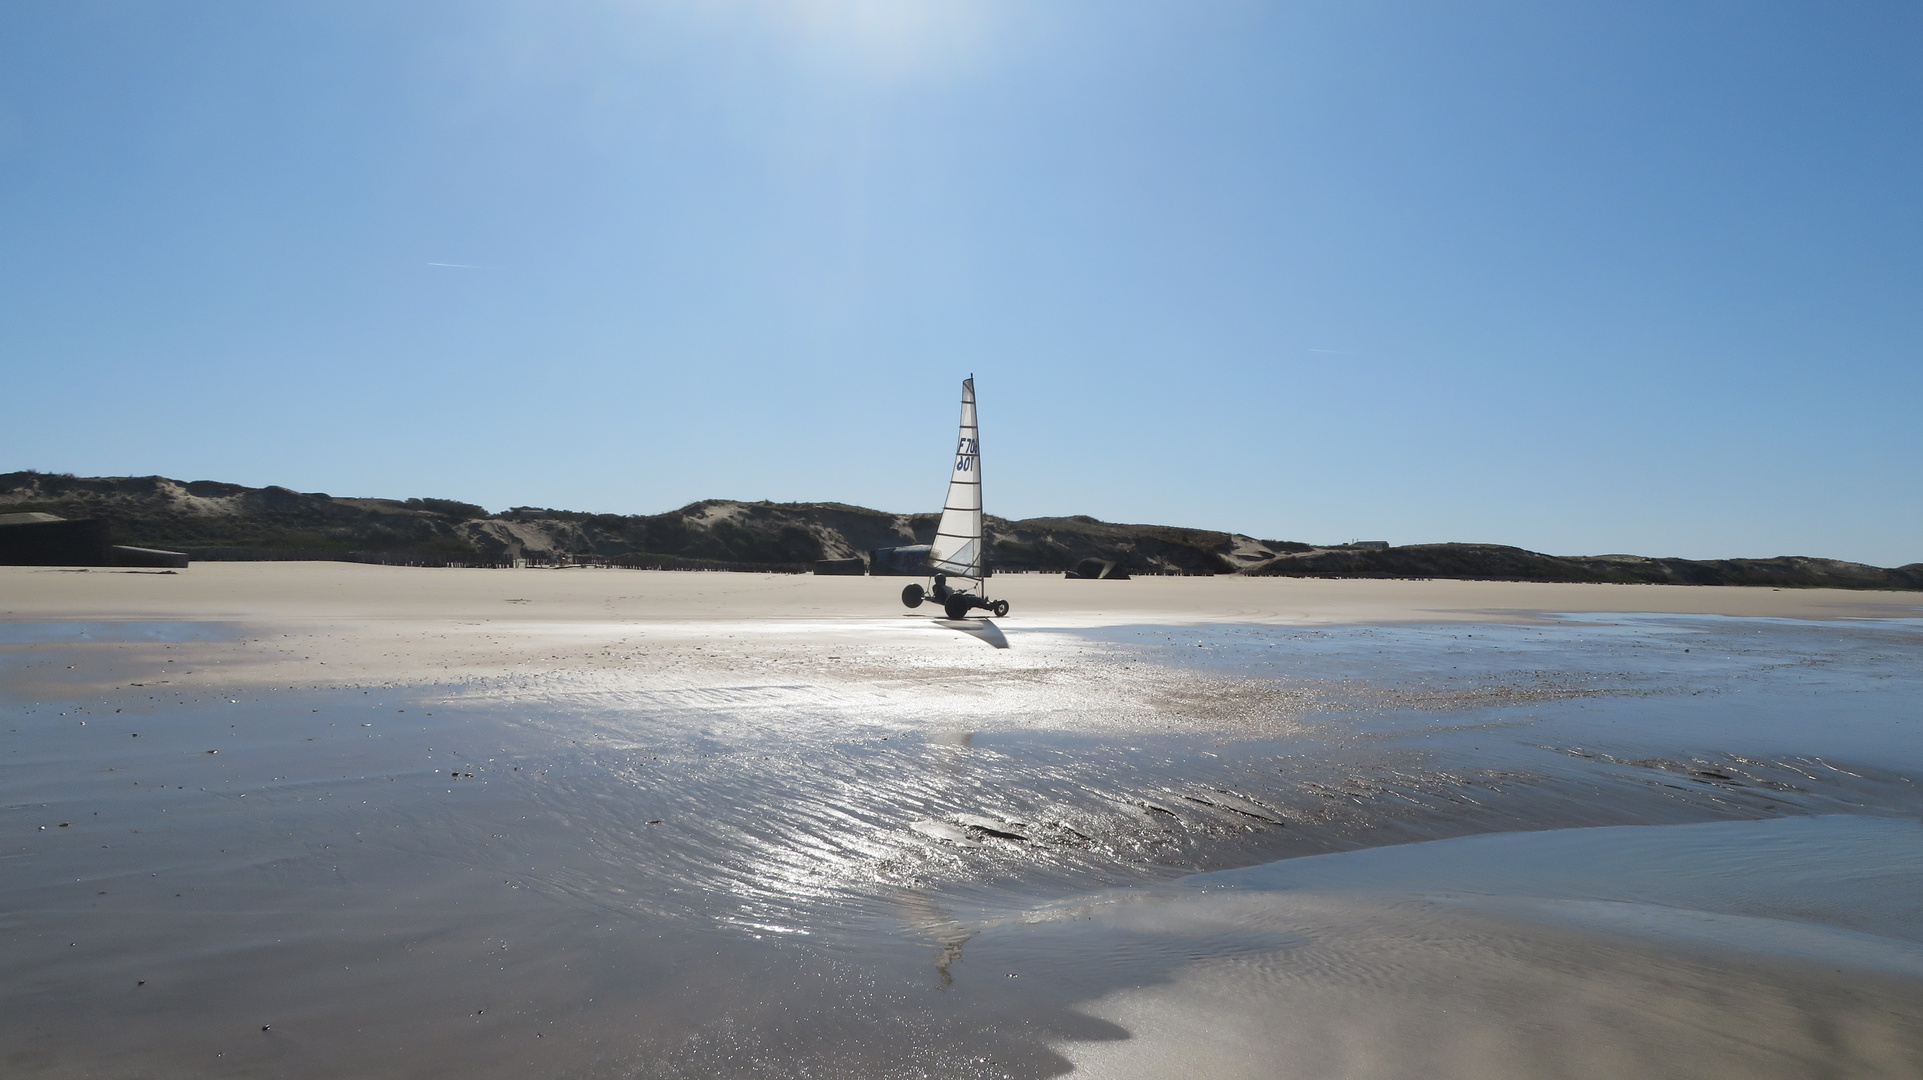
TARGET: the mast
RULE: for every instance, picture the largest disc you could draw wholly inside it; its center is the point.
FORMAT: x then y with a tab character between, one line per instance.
957	548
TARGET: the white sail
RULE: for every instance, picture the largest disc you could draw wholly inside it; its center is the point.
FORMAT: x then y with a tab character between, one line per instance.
957	549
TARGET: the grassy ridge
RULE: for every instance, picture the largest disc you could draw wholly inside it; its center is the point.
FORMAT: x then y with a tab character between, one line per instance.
219	520
1494	562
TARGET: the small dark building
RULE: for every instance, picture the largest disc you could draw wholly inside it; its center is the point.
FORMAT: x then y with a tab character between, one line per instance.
908	561
49	540
841	567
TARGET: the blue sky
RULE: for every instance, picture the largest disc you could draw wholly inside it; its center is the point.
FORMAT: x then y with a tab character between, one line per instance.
1583	277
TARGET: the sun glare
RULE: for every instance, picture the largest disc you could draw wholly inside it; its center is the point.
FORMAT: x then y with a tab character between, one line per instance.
873	38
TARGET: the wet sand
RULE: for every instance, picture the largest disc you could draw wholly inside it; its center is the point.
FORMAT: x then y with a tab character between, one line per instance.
587	823
1778	948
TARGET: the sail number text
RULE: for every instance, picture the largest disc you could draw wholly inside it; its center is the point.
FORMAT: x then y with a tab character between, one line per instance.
965	455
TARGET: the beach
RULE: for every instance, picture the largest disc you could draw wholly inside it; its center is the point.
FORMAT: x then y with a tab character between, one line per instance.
319	819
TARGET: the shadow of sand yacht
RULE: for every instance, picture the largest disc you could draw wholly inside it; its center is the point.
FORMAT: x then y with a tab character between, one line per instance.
984	629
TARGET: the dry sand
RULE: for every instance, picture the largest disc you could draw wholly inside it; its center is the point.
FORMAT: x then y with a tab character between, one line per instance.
320	590
333	624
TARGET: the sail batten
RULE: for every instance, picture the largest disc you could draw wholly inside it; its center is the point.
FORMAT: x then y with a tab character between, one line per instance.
957	547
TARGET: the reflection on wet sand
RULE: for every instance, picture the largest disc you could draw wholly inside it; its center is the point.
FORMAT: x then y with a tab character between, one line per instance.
731	855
